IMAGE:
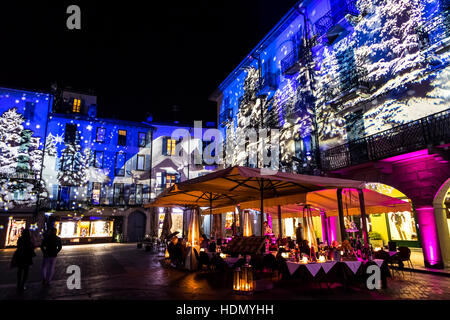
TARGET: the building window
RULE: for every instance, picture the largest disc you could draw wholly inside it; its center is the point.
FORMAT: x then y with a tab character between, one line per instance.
169	146
122	140
119	194
142	137
139	193
101	132
171	179
98	159
96	192
76	108
140	163
70	133
120	164
28	113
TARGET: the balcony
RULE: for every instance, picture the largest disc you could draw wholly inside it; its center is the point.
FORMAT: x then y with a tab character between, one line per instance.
292	62
82	205
416	135
329	24
350	82
435	33
16	174
266	84
225	116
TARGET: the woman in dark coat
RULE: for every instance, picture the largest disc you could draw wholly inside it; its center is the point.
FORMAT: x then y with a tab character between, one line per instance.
23	258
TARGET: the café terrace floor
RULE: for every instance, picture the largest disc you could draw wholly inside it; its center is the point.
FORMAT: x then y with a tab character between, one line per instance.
121	271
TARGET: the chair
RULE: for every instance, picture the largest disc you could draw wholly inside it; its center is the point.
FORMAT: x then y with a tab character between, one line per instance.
392	245
203	260
270	263
383	255
404	254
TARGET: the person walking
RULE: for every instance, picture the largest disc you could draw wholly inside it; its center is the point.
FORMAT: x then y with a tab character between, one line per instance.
23	258
50	246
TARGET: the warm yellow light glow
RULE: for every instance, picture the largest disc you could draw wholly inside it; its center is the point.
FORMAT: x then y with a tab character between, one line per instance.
305	260
247	224
285	254
321	259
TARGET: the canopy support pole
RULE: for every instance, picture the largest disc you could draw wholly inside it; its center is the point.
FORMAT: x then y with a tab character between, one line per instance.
262	207
363	217
210	215
280	223
341	214
323	219
234	221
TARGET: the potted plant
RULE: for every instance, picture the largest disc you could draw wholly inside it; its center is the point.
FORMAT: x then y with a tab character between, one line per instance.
376	240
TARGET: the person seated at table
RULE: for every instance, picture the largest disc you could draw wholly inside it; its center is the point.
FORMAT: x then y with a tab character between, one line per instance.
304	248
212	246
175	251
290	243
204	242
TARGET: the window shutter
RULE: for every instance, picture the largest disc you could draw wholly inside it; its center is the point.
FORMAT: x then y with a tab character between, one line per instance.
164	146
163	179
177	178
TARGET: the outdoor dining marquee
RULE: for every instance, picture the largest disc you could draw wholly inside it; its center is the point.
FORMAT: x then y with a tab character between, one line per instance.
280	193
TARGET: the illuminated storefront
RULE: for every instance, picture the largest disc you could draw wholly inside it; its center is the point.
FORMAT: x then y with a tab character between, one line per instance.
91	229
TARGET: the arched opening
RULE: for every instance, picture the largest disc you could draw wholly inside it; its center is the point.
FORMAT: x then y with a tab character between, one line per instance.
136	226
398	227
441	205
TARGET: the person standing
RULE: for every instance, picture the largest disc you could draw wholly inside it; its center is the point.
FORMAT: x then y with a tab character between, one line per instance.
50	246
299	233
23	258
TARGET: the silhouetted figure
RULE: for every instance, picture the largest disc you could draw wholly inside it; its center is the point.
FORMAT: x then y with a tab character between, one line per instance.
23	258
204	242
50	246
299	233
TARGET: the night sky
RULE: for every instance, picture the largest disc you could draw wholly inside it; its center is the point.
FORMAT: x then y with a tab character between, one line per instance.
137	58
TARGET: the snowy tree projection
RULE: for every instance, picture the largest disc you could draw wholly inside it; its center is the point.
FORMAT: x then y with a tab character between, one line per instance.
20	162
368	66
74	164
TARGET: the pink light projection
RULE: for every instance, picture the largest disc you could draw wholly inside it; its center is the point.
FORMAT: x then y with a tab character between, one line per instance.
323	219
407	156
429	237
332	227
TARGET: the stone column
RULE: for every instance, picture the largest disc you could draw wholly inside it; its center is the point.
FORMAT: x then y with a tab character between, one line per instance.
429	237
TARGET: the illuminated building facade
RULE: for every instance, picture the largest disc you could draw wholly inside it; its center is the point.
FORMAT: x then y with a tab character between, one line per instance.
357	89
89	177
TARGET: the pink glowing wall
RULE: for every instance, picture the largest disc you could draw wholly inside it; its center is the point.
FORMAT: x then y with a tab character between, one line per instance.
429	236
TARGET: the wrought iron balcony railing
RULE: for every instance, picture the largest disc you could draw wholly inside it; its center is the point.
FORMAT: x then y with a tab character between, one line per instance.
332	17
225	116
436	32
267	83
19	174
409	137
76	204
347	80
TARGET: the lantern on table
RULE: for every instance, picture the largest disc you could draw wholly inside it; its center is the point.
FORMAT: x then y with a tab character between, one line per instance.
243	280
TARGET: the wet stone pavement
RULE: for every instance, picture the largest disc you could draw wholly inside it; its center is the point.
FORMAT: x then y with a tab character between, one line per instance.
123	272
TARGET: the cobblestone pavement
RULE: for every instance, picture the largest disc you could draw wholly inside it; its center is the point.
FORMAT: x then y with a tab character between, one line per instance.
121	271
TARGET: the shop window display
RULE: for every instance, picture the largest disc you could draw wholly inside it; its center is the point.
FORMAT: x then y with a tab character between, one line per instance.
402	226
14	230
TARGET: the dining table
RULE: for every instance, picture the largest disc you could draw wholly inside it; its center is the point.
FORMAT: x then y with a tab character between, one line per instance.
343	272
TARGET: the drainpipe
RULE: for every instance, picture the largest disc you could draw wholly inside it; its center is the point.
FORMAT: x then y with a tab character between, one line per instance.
49	111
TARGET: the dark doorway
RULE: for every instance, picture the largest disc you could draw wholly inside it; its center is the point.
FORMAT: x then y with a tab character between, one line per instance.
136	226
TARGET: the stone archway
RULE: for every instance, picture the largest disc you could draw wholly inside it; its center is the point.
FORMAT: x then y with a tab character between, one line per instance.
440	214
136	226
